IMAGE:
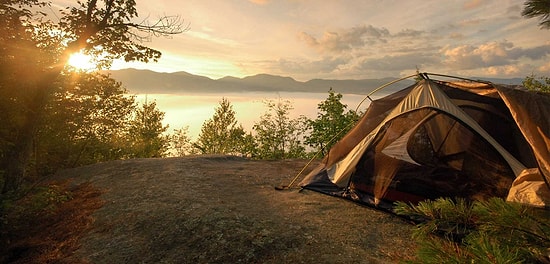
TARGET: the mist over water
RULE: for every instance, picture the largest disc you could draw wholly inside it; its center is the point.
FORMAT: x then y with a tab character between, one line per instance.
194	109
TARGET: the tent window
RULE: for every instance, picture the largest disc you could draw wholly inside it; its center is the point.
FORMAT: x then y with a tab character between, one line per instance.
505	131
473	167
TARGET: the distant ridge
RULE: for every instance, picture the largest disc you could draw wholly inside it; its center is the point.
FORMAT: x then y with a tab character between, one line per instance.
147	81
151	82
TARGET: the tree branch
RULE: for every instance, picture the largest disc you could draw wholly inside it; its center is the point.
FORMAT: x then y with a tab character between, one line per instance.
163	27
108	9
91	7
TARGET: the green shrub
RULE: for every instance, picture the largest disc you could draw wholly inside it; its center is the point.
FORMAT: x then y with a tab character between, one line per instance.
492	231
43	199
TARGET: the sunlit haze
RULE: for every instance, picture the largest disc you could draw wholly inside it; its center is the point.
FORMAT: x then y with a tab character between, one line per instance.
355	39
193	110
348	39
81	61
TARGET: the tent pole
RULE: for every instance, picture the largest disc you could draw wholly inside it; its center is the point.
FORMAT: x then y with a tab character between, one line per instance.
456	77
382	87
283	187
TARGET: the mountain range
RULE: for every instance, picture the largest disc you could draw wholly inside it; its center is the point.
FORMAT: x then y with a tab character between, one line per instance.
151	82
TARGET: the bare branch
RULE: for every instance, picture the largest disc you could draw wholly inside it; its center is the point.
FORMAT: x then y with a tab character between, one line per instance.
165	26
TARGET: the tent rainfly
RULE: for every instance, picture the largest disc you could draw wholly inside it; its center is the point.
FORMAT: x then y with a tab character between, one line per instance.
435	138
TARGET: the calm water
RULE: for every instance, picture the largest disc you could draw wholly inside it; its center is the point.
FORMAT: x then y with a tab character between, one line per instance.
193	110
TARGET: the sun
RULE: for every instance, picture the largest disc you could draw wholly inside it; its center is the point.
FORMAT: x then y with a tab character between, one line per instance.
81	61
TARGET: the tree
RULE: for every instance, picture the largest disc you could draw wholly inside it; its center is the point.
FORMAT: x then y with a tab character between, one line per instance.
332	122
41	49
22	60
181	143
538	8
541	85
277	135
145	133
221	134
85	122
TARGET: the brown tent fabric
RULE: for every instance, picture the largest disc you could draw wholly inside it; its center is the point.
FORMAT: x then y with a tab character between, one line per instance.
531	112
440	139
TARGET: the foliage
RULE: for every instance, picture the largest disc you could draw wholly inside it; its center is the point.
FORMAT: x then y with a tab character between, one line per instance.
48	235
22	61
14	209
145	133
91	119
492	231
34	50
107	31
85	122
46	198
53	117
278	136
249	145
541	85
181	143
443	216
221	134
538	8
332	122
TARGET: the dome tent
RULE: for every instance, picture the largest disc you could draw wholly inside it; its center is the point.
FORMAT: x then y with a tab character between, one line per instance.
435	138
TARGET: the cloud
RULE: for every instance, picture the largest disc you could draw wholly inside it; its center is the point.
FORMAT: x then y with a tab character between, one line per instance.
472	22
308	39
410	33
472	4
496	59
503	70
299	68
544	68
514	10
360	66
259	2
345	40
402	62
487	59
535	53
356	51
324	65
456	35
489	54
471	57
368	50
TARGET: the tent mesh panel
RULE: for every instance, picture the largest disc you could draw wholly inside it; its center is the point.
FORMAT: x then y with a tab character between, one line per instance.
451	160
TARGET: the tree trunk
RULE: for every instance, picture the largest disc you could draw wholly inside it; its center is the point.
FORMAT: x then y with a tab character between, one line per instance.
16	161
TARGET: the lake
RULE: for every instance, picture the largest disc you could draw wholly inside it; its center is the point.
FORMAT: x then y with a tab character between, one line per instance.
194	109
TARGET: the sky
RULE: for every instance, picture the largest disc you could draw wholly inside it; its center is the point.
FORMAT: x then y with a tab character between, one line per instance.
347	39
